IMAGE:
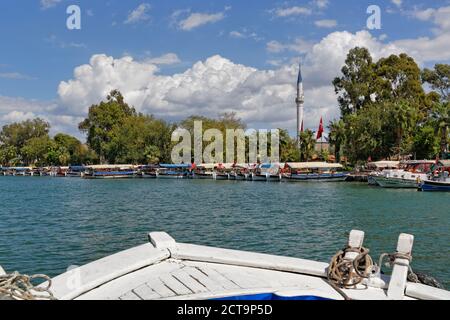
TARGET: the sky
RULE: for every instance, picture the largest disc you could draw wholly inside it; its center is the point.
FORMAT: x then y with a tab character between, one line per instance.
174	59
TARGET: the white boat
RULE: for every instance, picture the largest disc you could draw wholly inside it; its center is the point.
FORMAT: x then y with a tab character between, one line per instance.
166	270
174	171
268	172
377	169
410	176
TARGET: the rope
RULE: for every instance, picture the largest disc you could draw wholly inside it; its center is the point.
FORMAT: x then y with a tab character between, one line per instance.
20	287
346	273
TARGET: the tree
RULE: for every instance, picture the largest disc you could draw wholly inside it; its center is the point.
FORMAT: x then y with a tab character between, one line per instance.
288	147
36	150
440	115
439	79
426	143
308	145
101	121
337	137
354	88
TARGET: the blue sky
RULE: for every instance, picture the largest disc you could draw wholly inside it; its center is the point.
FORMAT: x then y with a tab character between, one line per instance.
243	38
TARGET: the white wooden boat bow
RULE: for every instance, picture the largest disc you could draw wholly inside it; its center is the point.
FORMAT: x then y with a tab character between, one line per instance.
165	269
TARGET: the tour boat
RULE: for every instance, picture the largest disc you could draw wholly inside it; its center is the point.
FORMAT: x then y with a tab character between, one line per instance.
204	171
110	172
164	269
268	172
315	171
76	171
174	171
240	172
440	181
410	176
149	171
223	171
377	169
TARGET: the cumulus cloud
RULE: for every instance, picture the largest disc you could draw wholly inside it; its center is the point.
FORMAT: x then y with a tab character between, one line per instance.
262	98
139	14
14	109
321	4
398	3
440	16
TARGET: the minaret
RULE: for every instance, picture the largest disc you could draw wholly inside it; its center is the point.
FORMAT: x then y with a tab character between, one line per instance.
299	101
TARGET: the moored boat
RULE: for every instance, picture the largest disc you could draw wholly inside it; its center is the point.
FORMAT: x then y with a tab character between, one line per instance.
409	176
148	171
203	171
164	269
376	169
315	171
110	172
76	171
440	180
174	171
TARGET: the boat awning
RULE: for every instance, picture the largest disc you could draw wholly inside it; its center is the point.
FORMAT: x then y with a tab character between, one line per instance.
384	164
111	166
175	166
314	165
209	166
444	163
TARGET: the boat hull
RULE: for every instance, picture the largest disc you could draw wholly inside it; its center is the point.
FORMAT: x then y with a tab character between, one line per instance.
398	183
318	177
222	177
435	186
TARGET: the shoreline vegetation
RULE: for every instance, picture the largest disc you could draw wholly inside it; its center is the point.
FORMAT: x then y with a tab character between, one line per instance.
390	109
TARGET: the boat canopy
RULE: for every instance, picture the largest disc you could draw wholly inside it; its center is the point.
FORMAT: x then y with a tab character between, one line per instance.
207	166
175	166
444	163
384	164
269	166
111	166
314	165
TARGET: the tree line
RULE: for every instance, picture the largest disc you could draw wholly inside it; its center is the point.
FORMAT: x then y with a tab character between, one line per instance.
390	108
385	113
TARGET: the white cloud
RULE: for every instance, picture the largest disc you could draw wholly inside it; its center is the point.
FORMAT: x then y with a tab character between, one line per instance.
166	59
321	4
46	4
15	76
139	14
237	35
195	20
326	23
299	45
292	11
440	17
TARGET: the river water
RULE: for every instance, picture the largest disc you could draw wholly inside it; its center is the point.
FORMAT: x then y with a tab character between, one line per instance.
49	224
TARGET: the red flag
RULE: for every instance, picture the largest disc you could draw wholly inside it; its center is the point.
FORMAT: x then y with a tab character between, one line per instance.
320	132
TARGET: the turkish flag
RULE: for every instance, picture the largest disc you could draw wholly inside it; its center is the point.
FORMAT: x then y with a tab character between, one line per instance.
320	132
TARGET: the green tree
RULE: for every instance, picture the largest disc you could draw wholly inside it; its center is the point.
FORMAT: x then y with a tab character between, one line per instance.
101	121
439	79
308	145
426	143
354	87
337	137
36	150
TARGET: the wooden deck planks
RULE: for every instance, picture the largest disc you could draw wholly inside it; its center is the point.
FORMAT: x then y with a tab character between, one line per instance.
146	293
188	281
217	277
206	281
176	286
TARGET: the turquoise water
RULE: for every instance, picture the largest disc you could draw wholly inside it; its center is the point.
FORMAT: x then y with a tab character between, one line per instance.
48	224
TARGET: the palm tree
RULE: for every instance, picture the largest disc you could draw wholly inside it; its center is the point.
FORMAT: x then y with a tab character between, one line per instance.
308	144
441	115
337	137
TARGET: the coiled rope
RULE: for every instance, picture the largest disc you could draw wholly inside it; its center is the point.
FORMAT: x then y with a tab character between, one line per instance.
20	287
346	273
